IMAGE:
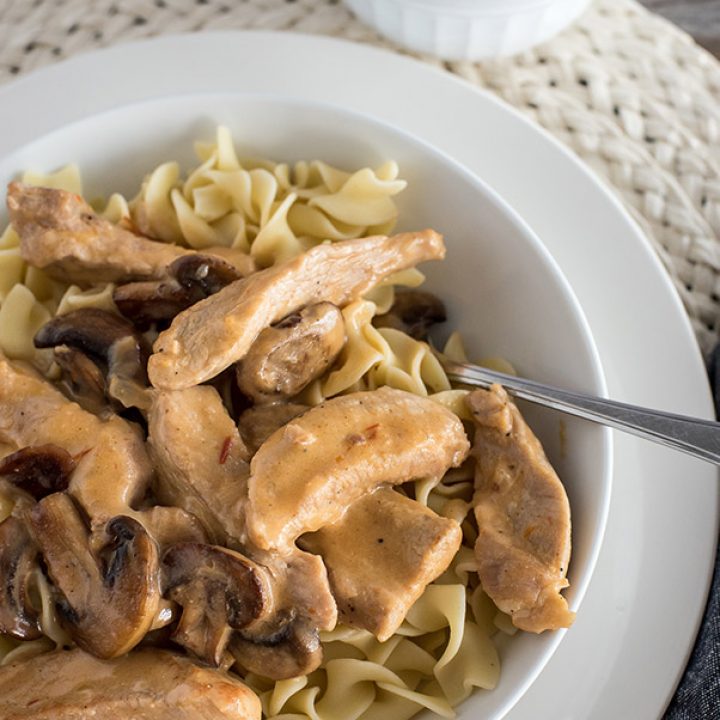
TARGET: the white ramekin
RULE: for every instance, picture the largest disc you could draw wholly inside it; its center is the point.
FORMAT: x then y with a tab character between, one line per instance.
468	29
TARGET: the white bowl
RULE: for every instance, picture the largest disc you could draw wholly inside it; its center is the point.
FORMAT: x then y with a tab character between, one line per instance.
468	29
502	288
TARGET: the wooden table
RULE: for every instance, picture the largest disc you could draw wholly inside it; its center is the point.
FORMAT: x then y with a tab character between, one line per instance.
701	18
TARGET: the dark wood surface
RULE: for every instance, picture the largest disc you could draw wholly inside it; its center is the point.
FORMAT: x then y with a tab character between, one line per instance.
701	18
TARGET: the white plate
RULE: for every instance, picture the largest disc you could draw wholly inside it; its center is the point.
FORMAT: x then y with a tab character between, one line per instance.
627	649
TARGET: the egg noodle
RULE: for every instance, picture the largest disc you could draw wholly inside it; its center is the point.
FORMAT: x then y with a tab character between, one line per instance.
444	648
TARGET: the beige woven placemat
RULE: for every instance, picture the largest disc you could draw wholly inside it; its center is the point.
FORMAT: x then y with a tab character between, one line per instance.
630	93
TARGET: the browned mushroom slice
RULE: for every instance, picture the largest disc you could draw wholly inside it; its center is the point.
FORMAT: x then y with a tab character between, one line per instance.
147	684
414	312
290	649
219	591
106	338
101	335
307	473
152	301
380	557
289	355
38	470
200	459
204	273
523	517
258	423
192	278
60	233
214	333
108	600
82	380
18	561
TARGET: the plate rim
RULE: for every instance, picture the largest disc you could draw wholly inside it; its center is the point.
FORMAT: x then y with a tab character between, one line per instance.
24	86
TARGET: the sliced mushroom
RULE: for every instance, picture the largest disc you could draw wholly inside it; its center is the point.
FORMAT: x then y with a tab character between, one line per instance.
258	423
218	331
109	600
414	312
147	684
82	380
206	274
289	649
287	356
191	278
307	473
18	562
152	301
38	470
60	233
523	517
106	338
219	590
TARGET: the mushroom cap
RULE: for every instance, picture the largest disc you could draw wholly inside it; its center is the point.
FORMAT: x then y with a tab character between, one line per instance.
287	356
219	590
414	312
109	599
91	330
38	470
191	279
288	649
208	273
83	381
18	560
153	301
109	339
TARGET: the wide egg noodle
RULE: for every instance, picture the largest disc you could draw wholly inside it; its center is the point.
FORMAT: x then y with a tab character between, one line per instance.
28	297
98	296
266	208
383	294
21	316
375	357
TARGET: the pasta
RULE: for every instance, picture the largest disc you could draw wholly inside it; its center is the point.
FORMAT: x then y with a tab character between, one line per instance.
268	209
444	648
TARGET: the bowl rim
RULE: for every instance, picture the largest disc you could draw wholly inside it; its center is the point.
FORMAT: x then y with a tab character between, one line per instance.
469	9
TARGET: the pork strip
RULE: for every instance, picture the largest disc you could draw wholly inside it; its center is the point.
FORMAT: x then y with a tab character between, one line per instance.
523	517
311	470
61	234
218	331
146	684
380	557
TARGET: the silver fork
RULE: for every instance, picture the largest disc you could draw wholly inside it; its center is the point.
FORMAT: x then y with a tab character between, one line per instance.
700	438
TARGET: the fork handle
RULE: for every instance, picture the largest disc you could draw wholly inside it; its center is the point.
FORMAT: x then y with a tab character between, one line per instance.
700	438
